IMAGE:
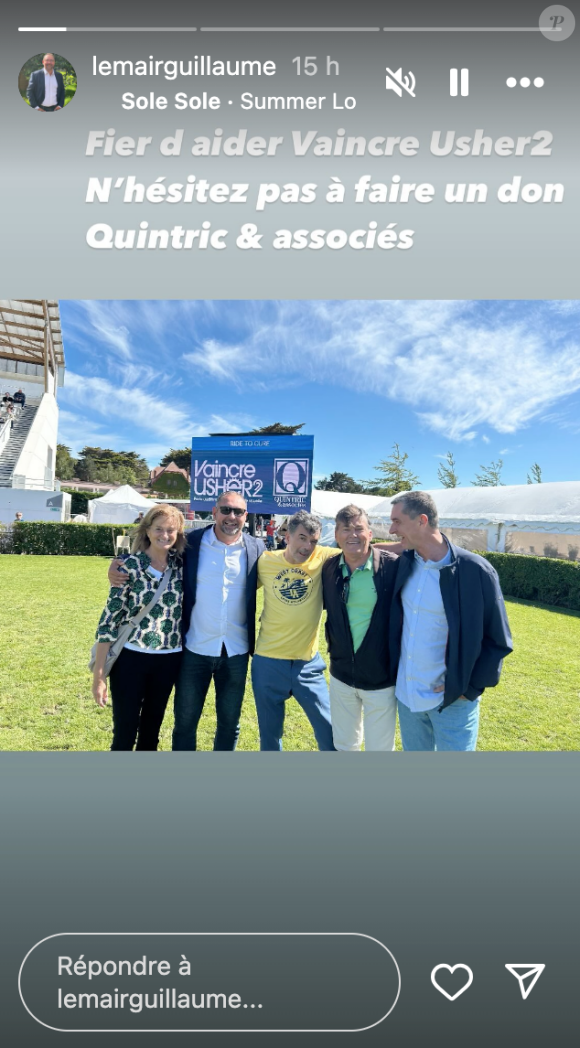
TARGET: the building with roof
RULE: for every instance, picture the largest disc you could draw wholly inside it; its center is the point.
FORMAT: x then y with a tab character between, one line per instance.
31	360
169	479
31	363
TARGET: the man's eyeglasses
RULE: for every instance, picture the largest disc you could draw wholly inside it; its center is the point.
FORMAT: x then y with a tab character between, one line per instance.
226	510
345	589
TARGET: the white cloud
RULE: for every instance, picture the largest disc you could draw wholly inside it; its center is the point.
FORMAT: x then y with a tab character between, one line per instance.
221	361
127	405
510	451
143	411
565	307
75	432
459	366
109	329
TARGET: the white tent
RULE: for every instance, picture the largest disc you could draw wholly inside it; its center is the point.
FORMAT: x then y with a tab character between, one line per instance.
523	518
537	504
119	506
326	504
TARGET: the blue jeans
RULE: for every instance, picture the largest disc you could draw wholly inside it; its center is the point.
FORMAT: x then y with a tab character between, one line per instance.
455	728
229	676
274	681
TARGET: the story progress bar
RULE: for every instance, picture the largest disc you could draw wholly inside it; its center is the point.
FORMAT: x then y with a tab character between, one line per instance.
287	29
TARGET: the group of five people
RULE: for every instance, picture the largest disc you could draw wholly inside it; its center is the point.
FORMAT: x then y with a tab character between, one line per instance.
419	626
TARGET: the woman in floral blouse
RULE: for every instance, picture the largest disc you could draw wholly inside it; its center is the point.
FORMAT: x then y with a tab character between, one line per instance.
146	670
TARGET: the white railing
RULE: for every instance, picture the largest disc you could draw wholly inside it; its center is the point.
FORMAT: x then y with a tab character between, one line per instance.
20	481
4	435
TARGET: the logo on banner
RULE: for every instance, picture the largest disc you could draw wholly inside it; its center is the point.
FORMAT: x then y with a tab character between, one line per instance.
291	476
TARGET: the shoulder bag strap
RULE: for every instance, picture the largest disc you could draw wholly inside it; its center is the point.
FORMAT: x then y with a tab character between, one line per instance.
127	629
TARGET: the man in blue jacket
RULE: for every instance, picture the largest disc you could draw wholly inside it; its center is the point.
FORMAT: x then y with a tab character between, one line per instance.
449	631
46	87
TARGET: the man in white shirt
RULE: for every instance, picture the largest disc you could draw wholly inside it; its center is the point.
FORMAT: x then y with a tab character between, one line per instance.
449	631
46	87
219	622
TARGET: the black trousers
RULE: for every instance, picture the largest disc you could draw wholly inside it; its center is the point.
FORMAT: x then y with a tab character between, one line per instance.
141	684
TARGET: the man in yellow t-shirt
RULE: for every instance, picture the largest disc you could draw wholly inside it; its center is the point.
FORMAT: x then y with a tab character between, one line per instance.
287	660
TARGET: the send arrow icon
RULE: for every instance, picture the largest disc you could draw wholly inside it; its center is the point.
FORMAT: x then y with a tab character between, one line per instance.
527	976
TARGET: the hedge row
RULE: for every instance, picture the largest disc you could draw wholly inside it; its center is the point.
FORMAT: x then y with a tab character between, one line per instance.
68	540
80	499
549	581
543	579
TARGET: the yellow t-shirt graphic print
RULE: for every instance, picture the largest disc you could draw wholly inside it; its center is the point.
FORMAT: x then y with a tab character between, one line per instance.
292	585
292	604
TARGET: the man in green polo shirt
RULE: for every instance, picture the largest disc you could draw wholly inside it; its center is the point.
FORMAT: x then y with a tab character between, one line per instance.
357	587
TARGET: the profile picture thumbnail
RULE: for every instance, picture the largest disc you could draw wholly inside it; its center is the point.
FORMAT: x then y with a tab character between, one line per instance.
47	82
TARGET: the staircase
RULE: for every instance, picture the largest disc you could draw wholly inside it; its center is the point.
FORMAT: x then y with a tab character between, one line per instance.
11	452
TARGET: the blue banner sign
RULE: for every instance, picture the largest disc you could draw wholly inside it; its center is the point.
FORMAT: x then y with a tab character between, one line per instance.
274	474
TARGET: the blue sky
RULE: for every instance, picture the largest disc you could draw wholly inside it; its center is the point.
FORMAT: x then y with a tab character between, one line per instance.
485	380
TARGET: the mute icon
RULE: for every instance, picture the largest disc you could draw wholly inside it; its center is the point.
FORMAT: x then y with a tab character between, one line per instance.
395	81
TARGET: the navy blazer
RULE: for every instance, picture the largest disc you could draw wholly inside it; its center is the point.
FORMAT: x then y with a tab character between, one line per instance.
254	547
35	89
479	634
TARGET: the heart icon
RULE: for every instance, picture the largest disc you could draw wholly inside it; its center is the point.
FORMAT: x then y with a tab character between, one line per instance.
452	968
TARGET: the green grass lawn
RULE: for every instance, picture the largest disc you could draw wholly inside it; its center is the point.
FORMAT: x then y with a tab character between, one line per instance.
48	616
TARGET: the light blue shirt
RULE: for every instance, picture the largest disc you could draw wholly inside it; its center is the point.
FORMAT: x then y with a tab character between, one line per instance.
425	632
219	613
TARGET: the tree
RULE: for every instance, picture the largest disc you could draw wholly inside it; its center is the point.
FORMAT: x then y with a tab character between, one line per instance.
113	467
489	476
338	482
536	474
123	475
397	476
133	462
181	457
278	429
60	63
80	499
446	472
87	468
65	464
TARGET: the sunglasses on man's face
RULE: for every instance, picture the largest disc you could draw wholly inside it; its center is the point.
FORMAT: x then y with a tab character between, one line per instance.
226	510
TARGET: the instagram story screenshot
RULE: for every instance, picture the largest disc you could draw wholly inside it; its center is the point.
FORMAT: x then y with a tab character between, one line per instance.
290	524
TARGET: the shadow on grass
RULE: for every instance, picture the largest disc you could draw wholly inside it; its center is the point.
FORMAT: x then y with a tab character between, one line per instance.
542	607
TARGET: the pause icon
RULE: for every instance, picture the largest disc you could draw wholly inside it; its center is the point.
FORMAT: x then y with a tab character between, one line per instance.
458	82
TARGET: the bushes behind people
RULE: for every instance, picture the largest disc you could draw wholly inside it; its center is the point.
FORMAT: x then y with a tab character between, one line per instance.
66	540
80	499
542	579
